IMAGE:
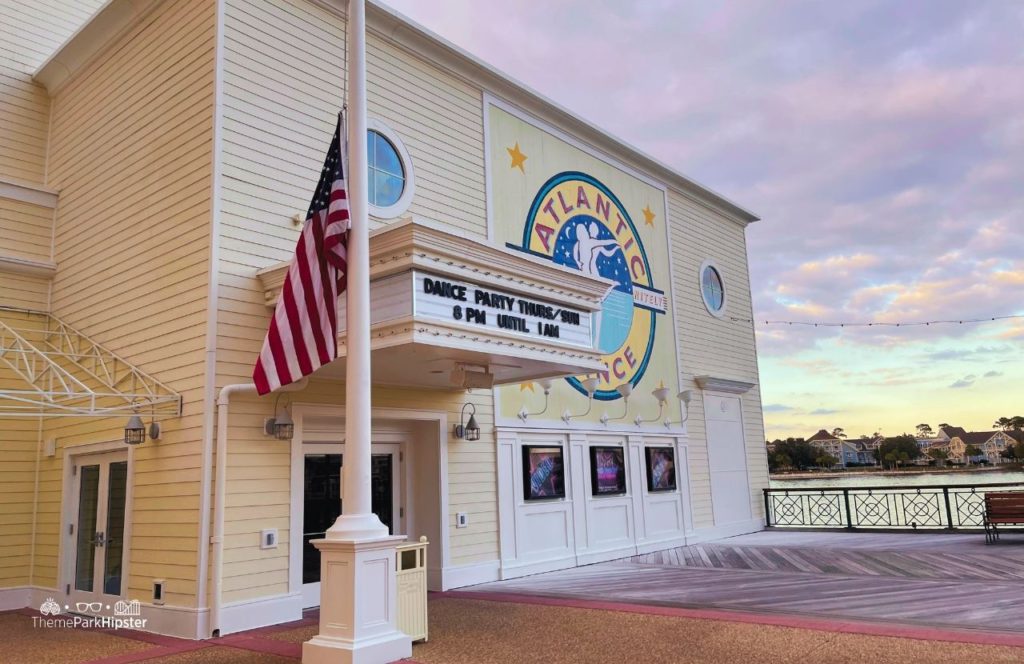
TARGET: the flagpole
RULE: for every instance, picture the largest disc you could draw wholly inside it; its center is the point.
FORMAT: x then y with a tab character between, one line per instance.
358	520
358	586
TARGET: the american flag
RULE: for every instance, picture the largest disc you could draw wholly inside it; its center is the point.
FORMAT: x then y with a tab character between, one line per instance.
303	333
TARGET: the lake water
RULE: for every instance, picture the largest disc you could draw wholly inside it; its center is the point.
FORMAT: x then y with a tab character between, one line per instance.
909	479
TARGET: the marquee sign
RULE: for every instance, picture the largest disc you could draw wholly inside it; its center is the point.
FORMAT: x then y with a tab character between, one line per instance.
451	300
577	222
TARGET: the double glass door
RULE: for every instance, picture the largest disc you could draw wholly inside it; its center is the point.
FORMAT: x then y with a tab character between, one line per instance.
100	485
322	480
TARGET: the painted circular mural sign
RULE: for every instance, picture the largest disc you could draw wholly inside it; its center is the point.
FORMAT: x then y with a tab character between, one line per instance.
577	222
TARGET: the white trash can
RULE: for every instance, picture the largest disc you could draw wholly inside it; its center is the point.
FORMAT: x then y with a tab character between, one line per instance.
411	560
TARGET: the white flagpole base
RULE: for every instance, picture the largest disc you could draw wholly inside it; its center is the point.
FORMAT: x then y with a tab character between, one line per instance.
356	528
358	604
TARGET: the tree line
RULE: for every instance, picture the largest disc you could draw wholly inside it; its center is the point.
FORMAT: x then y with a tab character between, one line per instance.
797	453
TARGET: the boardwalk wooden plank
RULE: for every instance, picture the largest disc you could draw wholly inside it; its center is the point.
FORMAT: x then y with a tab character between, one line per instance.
929	579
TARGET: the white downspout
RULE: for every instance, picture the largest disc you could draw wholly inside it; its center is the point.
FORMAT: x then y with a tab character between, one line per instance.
220	491
212	308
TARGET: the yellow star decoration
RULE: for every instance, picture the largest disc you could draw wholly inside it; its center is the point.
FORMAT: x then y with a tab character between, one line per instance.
518	158
648	216
526	386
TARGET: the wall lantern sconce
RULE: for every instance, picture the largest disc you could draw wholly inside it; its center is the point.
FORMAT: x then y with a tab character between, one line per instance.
281	425
686	396
589	386
468	430
135	431
661	395
545	384
624	390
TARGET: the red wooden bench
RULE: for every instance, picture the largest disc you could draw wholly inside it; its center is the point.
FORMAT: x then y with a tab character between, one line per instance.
1002	509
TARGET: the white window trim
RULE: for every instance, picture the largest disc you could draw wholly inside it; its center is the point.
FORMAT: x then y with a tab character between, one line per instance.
402	204
700	286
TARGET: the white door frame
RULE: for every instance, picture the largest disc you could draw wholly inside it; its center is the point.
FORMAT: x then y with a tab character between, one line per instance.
74	458
311	591
381	416
746	462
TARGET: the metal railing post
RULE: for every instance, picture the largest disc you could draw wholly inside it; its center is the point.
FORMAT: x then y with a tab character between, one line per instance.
881	507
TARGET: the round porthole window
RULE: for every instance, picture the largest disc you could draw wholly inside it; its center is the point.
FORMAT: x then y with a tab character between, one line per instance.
712	289
390	172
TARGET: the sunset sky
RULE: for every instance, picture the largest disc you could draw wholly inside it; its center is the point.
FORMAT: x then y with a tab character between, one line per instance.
882	143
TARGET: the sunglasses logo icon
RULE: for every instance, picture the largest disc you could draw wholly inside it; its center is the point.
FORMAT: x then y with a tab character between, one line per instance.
88	607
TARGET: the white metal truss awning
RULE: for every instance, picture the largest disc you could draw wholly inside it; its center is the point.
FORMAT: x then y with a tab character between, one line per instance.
49	369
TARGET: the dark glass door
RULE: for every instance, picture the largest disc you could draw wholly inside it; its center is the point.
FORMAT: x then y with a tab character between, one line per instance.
321	507
322	503
98	532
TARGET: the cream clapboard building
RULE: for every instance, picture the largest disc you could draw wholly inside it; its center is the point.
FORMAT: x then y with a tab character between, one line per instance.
154	154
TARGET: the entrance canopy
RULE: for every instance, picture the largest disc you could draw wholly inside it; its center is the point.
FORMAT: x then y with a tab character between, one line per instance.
48	369
447	311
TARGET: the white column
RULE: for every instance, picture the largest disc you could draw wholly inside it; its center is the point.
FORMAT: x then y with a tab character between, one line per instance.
357	520
358	599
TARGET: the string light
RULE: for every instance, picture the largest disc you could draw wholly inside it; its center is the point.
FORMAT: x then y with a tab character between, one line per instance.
964	321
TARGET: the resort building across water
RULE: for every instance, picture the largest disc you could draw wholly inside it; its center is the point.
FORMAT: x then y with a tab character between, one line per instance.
564	369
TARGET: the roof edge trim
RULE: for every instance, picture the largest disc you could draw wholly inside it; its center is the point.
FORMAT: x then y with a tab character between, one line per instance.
109	22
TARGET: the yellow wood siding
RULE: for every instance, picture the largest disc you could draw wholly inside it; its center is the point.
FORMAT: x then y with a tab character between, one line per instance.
30	33
23	292
279	110
718	347
131	153
26	230
259	485
19	439
19	442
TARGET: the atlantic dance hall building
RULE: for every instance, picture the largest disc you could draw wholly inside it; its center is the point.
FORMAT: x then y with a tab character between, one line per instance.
564	369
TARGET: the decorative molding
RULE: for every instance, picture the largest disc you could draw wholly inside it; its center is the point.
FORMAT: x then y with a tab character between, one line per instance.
535	425
460	576
721	532
29	268
726	385
383	418
388	24
591	556
720	312
409	188
183	622
17	597
416	243
118	16
401	252
26	192
651	546
513	570
113	20
260	612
